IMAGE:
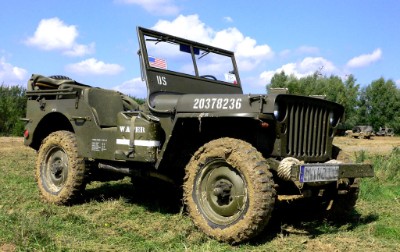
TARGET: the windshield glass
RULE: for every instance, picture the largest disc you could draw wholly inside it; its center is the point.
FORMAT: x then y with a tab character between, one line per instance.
186	59
215	66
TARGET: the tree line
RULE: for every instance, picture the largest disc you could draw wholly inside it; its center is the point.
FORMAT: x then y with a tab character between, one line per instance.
12	109
377	104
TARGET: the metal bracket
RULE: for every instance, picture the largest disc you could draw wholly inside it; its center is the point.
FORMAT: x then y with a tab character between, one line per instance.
132	137
42	103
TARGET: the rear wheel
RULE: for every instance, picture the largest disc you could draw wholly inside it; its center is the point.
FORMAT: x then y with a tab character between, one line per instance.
228	190
60	171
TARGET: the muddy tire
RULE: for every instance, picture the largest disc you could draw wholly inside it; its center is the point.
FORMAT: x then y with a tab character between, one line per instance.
228	190
60	171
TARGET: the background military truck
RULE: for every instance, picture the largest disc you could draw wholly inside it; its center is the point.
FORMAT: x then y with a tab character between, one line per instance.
384	131
361	132
233	154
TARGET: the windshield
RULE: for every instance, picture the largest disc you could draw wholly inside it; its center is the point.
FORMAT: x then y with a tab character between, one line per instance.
191	60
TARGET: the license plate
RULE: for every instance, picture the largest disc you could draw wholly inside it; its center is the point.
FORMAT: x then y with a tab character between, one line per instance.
318	173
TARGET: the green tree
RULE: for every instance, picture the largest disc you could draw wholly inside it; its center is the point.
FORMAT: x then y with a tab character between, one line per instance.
279	80
380	103
12	108
349	99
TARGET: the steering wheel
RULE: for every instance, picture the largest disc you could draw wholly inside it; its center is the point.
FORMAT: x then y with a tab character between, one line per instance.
207	76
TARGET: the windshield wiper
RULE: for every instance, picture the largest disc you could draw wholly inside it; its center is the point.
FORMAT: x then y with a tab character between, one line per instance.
203	54
157	40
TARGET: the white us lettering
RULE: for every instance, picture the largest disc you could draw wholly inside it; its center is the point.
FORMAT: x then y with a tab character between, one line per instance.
161	80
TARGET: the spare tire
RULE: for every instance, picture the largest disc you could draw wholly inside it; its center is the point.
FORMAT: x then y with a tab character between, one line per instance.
59	77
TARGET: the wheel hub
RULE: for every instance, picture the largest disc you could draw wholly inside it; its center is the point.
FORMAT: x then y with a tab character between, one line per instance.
57	168
222	191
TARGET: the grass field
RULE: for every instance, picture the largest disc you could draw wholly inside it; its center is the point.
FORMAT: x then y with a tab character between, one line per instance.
113	217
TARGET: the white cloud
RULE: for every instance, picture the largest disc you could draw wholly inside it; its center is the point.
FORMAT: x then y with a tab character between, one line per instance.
365	59
398	83
307	66
156	7
248	47
248	53
79	50
53	34
11	75
266	76
299	52
228	19
285	53
134	87
189	27
307	50
228	38
93	66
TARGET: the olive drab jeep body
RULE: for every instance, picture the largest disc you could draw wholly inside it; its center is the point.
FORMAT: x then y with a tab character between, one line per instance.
235	155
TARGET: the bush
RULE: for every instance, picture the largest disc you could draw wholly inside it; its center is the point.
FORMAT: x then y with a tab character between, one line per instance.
387	168
12	108
385	184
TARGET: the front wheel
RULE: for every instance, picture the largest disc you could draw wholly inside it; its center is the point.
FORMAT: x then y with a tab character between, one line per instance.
60	171
228	190
342	205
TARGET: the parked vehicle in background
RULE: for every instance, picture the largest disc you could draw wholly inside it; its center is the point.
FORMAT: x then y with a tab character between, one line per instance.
384	131
361	132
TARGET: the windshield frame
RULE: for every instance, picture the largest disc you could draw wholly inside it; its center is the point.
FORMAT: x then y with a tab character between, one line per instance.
193	48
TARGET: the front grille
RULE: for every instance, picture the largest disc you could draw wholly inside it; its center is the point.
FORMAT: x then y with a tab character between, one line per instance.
305	127
307	130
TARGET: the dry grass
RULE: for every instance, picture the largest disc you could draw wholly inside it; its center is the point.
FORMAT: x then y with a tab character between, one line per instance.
375	145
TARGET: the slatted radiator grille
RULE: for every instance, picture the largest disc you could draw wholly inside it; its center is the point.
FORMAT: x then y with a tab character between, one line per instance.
307	129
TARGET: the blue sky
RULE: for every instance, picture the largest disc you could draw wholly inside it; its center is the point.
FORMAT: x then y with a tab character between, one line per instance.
95	42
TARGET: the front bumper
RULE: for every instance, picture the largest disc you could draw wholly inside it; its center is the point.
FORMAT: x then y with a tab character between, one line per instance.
324	172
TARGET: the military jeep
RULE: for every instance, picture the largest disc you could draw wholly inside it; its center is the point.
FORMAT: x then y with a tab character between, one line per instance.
384	131
235	155
360	132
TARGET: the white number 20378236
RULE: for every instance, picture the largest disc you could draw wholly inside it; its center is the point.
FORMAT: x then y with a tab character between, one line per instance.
217	103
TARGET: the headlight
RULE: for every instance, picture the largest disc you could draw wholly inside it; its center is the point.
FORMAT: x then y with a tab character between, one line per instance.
334	119
280	112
